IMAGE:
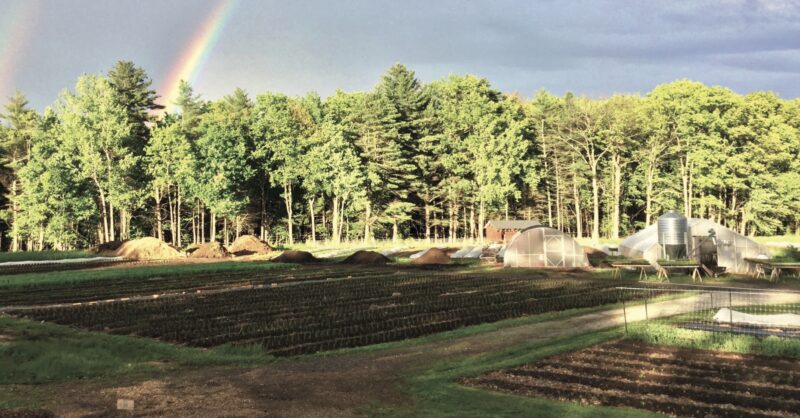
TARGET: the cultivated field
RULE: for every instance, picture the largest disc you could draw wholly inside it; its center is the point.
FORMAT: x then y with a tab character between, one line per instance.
663	379
306	311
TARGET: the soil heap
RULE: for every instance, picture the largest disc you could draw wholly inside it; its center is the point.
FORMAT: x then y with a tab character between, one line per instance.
366	257
292	256
147	248
209	250
432	256
249	244
107	247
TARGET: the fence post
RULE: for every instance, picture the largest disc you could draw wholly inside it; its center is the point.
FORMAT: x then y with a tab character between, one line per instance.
646	314
625	315
730	307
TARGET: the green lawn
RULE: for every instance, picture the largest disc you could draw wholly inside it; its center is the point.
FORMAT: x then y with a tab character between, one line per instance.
44	255
139	272
33	352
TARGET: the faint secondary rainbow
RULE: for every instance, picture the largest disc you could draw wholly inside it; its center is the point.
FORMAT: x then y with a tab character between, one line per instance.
16	25
194	57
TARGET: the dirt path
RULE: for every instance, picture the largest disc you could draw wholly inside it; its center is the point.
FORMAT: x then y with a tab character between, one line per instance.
333	386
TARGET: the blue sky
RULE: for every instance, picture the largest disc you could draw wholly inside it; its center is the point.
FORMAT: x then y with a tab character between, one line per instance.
593	48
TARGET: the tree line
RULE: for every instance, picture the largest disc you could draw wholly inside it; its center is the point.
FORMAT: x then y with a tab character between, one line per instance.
406	159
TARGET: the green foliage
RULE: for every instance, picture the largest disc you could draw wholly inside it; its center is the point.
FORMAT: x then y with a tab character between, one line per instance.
406	158
669	334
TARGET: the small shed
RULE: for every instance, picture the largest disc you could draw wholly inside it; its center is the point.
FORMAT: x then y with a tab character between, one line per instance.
504	231
542	246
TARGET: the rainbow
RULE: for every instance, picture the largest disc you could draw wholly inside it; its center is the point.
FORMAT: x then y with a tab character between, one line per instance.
16	25
194	57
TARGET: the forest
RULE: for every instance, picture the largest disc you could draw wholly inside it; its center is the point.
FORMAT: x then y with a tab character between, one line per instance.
407	159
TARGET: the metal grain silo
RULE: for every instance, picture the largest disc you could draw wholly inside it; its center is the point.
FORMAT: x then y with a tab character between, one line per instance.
673	229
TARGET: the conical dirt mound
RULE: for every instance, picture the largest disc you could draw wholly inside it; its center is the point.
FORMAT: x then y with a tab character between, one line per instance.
292	256
366	257
249	244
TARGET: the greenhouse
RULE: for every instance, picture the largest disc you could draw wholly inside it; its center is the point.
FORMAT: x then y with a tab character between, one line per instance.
541	246
705	241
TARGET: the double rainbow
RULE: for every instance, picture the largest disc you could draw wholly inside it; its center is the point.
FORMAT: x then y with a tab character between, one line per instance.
194	57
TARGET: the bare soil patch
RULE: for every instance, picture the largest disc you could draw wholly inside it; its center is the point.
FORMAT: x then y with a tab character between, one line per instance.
209	250
147	248
366	257
433	256
669	380
249	245
293	256
25	413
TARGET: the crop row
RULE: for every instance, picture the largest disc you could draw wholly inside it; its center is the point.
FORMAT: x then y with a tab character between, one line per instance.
675	382
314	316
101	289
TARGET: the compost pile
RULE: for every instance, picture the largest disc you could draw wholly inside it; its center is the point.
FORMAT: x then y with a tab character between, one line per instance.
147	248
366	257
292	256
209	250
107	247
432	256
249	244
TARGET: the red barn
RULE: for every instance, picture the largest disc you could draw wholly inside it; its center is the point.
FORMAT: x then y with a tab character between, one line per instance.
504	231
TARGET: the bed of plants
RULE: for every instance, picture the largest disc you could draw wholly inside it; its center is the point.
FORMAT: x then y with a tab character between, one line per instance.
669	380
325	315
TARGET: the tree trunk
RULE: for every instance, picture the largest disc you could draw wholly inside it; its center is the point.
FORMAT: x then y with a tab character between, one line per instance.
178	226
287	197
112	234
481	219
367	216
14	216
213	227
158	233
559	199
617	198
596	206
172	237
225	222
427	220
313	221
578	221
395	231
335	220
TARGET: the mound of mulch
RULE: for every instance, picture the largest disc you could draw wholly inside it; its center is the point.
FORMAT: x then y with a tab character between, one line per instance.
597	258
147	248
209	250
249	244
292	256
366	257
433	256
107	247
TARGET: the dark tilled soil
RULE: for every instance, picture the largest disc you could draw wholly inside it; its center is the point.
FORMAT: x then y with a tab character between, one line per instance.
296	257
667	380
366	257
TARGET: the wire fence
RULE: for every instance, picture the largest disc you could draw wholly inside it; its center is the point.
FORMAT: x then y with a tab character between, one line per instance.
721	311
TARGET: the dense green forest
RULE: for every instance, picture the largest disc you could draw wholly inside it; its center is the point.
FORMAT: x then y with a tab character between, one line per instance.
406	159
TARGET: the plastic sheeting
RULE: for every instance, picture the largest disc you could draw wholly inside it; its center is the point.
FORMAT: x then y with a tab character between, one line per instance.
726	315
732	247
461	253
541	246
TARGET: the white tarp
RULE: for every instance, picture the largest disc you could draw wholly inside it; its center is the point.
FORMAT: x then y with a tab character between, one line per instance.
475	253
65	261
461	253
778	320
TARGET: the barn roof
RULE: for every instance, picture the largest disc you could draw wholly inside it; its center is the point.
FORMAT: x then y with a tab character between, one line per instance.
518	224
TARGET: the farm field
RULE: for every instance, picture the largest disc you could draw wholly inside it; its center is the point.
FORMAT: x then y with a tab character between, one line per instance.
306	311
662	379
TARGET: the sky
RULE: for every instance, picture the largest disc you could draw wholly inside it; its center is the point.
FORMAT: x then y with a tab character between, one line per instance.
593	47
